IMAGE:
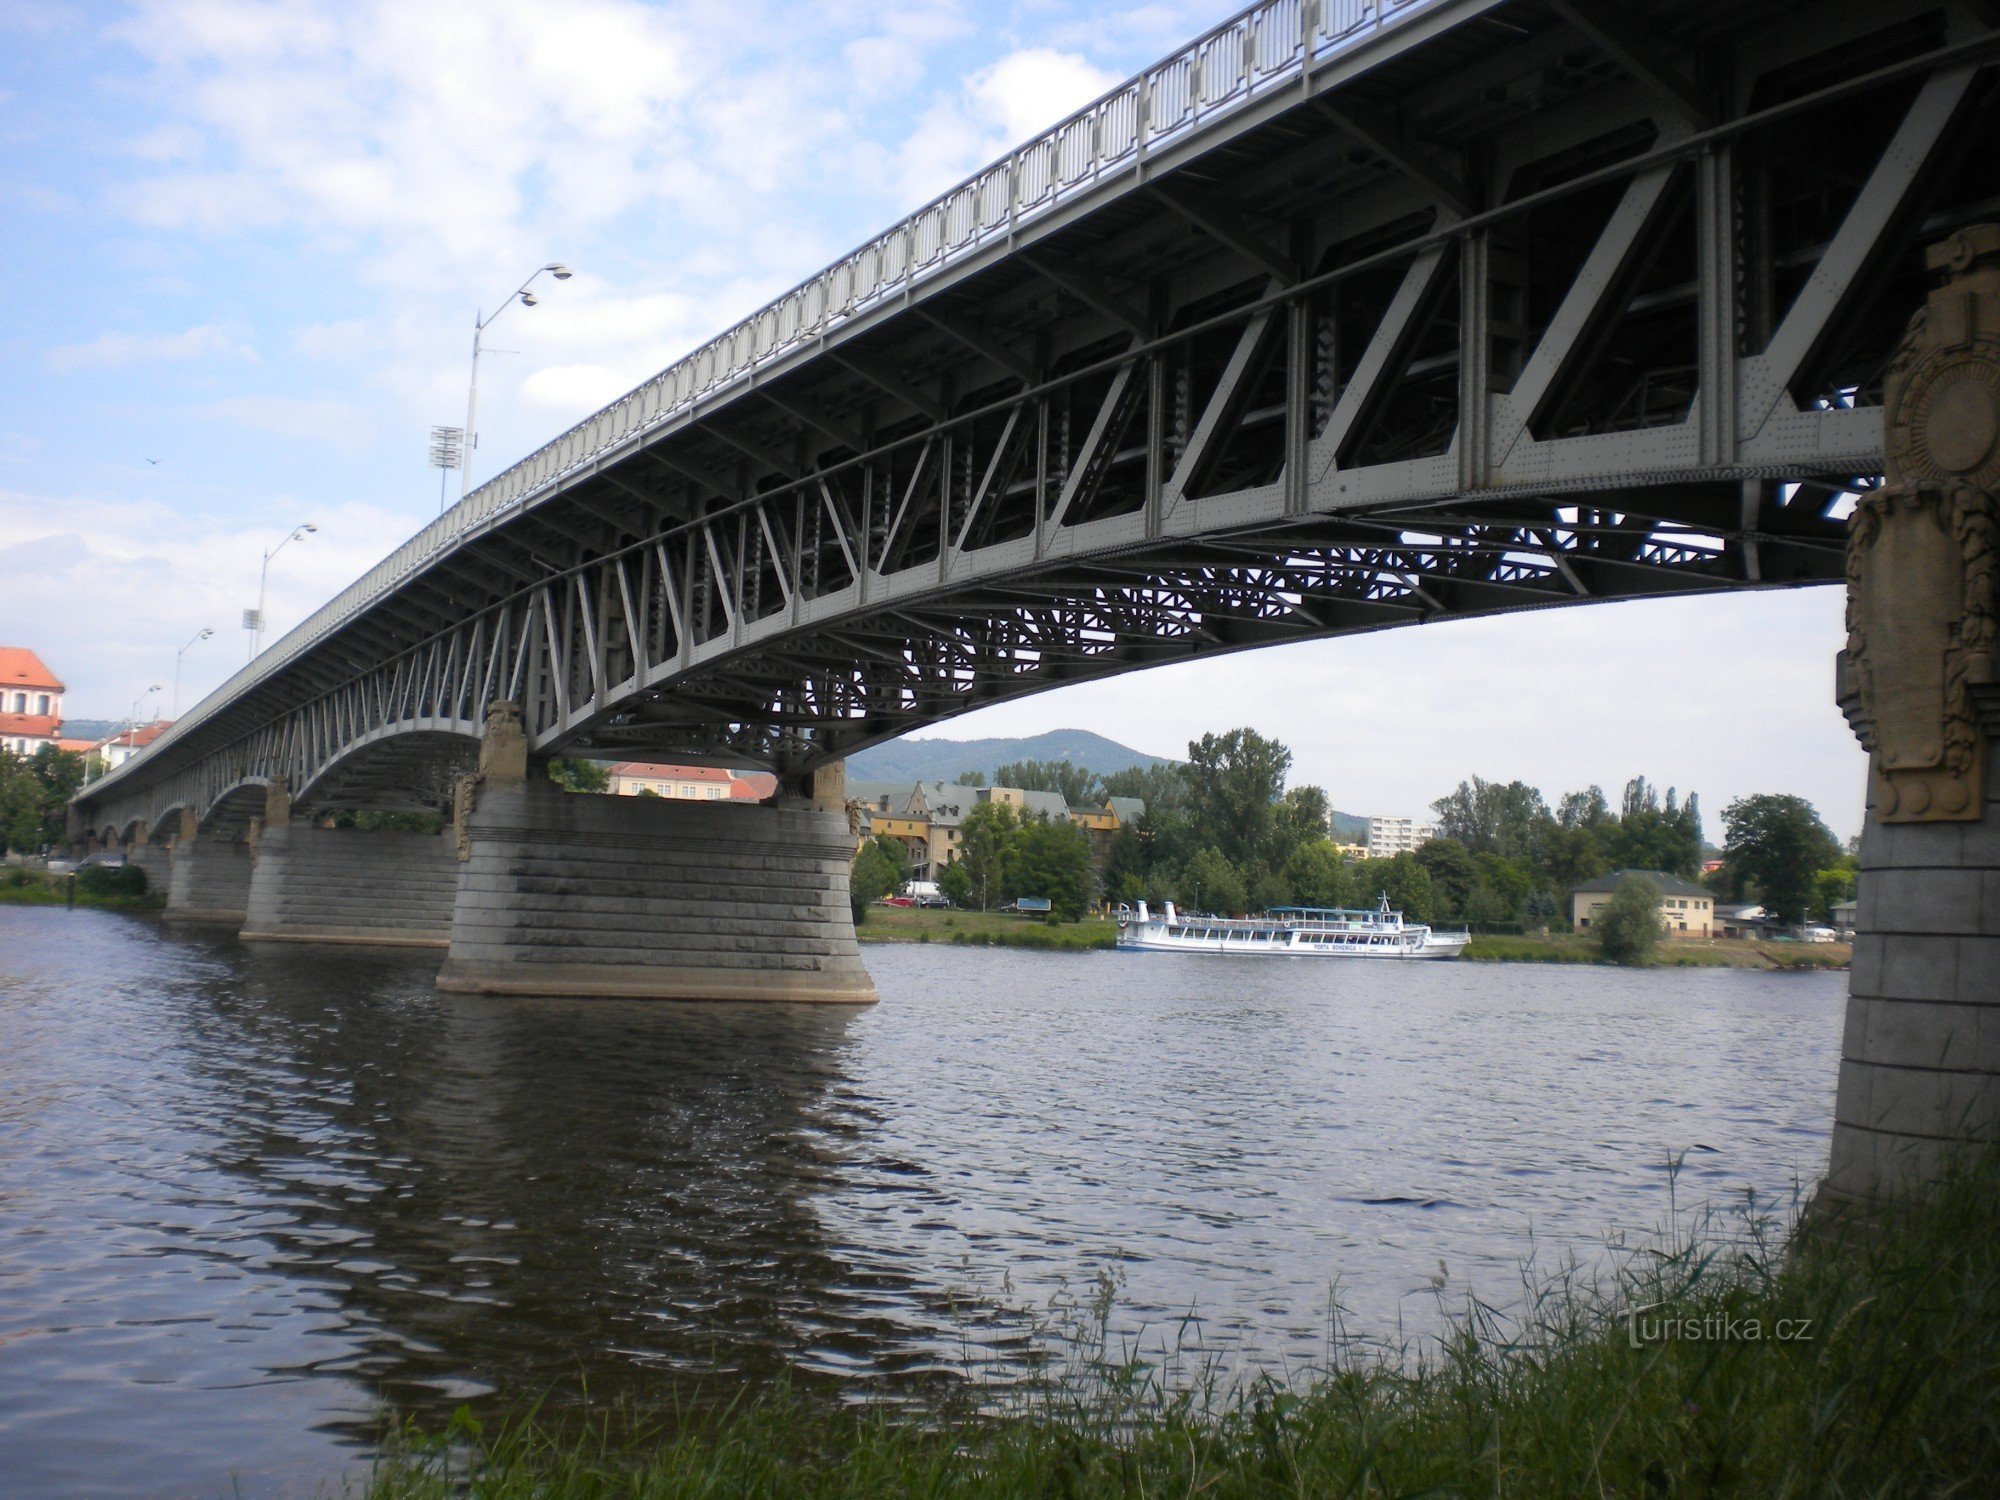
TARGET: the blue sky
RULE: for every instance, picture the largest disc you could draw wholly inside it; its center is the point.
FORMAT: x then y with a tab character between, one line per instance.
246	242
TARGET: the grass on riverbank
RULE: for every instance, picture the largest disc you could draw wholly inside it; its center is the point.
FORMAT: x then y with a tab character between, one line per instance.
39	888
984	929
1888	1383
1682	953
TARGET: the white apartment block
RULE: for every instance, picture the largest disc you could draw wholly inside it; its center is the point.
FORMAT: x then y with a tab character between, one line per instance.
1388	837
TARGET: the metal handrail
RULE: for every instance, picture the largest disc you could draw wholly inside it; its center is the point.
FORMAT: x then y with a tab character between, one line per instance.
1246	57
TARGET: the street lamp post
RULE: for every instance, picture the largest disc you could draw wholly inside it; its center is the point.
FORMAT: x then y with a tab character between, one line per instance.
132	721
297	533
204	634
556	269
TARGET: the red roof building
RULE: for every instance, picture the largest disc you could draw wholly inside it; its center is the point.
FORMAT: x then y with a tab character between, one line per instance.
631	778
30	702
118	748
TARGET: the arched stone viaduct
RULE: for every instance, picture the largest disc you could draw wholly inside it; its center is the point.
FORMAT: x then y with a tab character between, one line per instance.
1346	317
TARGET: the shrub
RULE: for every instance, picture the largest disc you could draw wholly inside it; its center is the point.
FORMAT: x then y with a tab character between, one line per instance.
112	880
1628	925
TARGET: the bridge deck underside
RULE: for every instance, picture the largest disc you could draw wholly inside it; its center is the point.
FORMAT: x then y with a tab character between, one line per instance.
1527	308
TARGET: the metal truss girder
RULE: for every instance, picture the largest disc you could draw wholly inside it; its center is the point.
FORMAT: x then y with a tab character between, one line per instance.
1051	533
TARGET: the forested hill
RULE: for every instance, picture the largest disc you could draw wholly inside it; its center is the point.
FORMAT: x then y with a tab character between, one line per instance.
945	760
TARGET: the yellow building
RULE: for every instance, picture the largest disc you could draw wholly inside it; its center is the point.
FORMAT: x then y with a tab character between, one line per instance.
1686	909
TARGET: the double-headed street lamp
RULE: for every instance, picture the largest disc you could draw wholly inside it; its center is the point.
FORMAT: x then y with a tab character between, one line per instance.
132	721
204	634
253	620
527	298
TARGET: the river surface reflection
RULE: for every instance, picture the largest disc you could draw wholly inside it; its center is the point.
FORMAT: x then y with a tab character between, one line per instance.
250	1199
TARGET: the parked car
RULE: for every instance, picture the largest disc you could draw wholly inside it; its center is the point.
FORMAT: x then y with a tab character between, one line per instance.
61	867
1818	934
109	859
932	903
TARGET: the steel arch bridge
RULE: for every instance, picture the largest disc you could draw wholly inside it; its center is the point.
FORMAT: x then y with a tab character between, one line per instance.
1347	316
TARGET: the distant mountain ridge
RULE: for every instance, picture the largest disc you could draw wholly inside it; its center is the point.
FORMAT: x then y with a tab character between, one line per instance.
946	760
91	729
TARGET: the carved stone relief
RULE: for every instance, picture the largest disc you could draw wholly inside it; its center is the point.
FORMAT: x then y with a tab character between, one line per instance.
1922	645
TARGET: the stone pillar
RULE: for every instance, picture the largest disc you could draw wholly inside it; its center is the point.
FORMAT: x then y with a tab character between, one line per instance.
350	885
1920	683
568	894
148	856
208	881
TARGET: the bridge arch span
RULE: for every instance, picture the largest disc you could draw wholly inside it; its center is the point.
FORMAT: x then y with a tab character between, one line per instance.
398	767
232	810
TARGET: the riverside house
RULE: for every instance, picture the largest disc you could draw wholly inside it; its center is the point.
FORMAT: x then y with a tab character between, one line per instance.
1686	909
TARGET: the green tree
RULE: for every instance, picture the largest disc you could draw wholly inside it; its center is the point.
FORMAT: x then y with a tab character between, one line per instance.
1302	817
1502	890
1406	883
872	877
898	855
1777	845
954	884
1075	785
1212	882
1234	783
985	848
579	775
1488	817
1162	788
1318	875
388	822
1454	877
1628	925
1586	809
1539	911
970	778
34	797
1571	854
1834	885
1051	858
1649	836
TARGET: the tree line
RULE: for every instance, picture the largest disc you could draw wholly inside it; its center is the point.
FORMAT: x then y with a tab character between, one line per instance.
1226	831
34	794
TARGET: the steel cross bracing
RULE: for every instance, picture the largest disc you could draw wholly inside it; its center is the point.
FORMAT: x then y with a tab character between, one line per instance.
1551	302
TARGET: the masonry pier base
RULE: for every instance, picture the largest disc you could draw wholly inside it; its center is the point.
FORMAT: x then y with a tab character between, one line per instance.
567	894
208	881
347	885
1920	683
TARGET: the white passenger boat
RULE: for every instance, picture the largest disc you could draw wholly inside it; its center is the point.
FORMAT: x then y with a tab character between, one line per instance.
1287	932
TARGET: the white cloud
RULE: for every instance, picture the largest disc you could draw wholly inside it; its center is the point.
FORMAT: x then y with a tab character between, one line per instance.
996	108
173	570
573	392
113	350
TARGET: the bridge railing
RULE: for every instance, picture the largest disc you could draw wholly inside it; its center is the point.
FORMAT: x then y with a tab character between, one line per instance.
1248	56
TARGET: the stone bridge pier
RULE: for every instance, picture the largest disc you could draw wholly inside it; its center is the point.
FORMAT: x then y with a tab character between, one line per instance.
208	875
1920	683
347	885
561	893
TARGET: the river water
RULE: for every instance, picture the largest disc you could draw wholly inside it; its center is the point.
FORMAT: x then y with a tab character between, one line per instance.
253	1199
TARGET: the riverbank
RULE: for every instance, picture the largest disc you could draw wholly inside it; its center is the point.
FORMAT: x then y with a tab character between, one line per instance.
984	929
20	887
1675	953
1857	1361
911	924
